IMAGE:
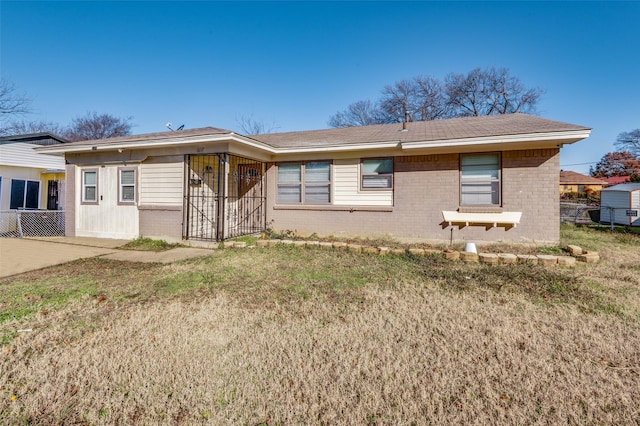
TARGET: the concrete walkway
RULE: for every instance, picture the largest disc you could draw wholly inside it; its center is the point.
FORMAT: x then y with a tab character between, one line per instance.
19	255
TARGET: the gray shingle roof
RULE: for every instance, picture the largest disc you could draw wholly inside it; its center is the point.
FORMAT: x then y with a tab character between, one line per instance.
455	128
420	131
158	136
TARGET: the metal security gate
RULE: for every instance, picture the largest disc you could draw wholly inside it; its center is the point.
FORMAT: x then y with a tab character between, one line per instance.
224	197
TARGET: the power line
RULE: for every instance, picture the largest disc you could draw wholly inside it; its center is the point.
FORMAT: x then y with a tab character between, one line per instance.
578	164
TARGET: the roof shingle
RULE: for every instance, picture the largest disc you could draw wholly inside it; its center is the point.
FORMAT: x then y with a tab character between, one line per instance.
419	131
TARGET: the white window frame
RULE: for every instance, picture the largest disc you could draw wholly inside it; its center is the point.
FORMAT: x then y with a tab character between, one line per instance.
364	175
121	186
84	186
306	184
492	180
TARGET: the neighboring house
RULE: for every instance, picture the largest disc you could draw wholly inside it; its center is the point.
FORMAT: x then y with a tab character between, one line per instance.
478	178
576	182
28	179
615	180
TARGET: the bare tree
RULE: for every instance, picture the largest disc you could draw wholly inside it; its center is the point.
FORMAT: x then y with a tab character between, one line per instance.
422	97
489	92
479	92
98	126
629	141
250	126
360	113
398	99
12	104
431	103
26	127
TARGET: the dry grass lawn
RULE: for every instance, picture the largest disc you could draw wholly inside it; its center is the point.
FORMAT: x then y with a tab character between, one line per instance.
299	336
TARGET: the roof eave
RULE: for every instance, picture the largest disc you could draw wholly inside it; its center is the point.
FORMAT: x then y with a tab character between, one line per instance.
338	148
564	137
155	144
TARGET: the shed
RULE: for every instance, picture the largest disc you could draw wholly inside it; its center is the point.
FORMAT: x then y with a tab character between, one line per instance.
621	203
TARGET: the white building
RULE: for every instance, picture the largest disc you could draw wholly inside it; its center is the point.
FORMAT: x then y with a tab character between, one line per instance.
622	203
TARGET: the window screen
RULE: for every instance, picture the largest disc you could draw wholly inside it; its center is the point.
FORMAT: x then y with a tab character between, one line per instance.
480	179
127	185
308	183
290	183
89	186
377	173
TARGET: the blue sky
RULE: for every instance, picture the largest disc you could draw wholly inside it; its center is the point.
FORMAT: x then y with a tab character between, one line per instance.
294	64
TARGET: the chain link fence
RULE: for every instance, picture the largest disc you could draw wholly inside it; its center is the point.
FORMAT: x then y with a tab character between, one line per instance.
32	223
579	213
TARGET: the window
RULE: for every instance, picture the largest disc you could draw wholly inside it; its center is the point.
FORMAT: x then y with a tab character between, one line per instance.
126	186
480	179
377	173
90	187
290	183
25	194
308	183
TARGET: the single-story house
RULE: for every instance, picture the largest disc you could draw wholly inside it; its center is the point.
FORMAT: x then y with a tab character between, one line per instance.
577	182
477	178
29	179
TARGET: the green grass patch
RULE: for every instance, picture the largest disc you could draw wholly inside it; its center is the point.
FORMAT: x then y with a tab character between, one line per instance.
594	237
23	298
250	240
148	244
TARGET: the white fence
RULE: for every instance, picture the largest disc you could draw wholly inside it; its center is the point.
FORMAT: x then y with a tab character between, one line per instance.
32	223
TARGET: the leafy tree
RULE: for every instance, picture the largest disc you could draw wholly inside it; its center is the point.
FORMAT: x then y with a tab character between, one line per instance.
618	163
12	104
98	126
479	92
629	141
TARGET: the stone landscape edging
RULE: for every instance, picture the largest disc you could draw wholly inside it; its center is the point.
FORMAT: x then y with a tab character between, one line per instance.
575	253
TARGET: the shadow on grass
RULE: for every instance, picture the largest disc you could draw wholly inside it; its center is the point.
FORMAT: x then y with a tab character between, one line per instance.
538	283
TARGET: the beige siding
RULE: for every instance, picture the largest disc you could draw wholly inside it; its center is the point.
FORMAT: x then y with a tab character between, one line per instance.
106	219
24	155
161	184
346	187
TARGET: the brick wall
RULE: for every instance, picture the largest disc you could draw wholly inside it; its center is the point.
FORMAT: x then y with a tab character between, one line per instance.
426	185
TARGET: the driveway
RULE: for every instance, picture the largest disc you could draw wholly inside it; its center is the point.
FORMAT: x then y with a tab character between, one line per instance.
18	255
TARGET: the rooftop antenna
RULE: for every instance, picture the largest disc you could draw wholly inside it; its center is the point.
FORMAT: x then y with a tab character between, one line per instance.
169	127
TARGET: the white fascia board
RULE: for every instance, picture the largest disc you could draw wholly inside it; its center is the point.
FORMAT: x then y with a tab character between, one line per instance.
154	144
338	148
572	136
222	138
